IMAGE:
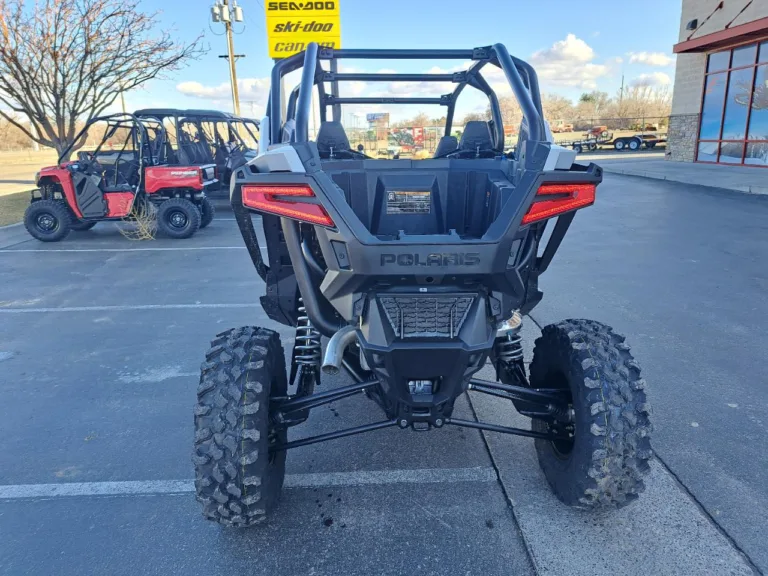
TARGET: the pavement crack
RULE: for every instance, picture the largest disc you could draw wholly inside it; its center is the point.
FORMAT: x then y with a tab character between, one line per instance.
510	503
707	514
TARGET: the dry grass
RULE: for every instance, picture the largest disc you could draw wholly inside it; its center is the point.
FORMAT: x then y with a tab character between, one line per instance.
142	223
12	207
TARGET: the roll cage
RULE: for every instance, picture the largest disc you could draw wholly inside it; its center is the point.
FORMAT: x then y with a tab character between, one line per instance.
198	118
145	134
520	75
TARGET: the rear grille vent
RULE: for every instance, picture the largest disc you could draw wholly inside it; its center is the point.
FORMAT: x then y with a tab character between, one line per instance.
426	316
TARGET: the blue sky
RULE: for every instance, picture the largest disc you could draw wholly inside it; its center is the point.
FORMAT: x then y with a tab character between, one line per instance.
575	45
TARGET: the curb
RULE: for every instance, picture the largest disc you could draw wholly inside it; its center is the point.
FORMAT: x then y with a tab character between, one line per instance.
9	226
755	190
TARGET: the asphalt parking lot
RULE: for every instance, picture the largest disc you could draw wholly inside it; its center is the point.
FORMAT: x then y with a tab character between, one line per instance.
101	339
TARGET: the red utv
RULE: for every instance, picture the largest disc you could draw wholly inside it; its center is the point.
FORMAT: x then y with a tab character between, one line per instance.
120	173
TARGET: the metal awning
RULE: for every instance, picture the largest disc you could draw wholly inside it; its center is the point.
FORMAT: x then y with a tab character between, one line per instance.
756	30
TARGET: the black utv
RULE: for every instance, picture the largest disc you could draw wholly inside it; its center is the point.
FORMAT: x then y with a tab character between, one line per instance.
419	272
206	137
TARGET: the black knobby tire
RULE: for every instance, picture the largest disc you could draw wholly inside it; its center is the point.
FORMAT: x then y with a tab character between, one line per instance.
178	218
207	212
80	225
237	480
604	464
48	220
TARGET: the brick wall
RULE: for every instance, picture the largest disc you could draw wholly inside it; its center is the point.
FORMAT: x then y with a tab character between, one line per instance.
689	83
681	137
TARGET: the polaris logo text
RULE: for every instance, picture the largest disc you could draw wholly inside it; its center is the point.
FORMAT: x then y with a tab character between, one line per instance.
444	259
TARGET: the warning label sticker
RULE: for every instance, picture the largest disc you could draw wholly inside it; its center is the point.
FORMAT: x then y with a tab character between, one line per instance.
409	201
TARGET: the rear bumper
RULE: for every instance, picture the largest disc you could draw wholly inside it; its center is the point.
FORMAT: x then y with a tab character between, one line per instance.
441	347
504	261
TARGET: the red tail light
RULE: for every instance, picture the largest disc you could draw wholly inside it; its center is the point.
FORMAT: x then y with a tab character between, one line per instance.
286	200
555	199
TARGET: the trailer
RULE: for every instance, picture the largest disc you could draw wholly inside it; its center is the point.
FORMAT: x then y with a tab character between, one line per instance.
592	141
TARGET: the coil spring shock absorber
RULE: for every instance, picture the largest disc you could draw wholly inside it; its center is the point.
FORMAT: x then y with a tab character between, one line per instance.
509	343
307	345
508	350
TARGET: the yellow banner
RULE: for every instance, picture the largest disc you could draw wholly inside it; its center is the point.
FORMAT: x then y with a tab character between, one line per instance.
293	25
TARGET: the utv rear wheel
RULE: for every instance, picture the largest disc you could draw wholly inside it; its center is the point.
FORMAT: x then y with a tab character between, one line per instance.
178	218
604	462
207	211
47	220
237	479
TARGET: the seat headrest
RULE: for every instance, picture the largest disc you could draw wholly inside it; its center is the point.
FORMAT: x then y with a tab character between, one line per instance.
289	131
331	135
476	135
446	145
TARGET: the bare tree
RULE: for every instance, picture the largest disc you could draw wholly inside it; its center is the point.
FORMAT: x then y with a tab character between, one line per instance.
511	113
593	104
63	62
645	101
421	119
474	117
556	107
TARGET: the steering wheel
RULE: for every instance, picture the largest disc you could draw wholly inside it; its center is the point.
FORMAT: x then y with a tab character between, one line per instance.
87	163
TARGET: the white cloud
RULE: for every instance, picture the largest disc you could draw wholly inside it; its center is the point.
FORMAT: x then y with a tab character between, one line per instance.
569	62
654	79
650	58
253	88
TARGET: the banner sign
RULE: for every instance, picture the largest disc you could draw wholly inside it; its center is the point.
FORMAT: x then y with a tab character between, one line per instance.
293	25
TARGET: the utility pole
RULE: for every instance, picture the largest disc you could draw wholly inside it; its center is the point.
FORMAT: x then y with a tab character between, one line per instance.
621	92
227	11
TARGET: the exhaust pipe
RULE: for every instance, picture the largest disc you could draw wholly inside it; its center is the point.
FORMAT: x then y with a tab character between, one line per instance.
334	352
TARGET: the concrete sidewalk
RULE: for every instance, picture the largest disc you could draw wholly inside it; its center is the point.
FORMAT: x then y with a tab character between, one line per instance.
752	180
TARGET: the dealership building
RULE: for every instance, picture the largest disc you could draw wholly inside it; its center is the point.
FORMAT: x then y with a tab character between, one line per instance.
720	101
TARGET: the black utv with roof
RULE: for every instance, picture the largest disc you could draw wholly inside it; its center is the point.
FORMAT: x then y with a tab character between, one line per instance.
420	273
206	138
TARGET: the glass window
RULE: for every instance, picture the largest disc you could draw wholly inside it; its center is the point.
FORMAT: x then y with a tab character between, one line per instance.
718	61
707	152
712	109
757	154
763	52
737	104
758	120
744	56
731	152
